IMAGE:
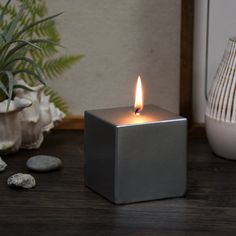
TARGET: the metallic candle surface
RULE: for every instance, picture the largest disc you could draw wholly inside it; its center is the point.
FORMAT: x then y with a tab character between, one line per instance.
130	158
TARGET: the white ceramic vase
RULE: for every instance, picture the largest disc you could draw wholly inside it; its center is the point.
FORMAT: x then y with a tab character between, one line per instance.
220	113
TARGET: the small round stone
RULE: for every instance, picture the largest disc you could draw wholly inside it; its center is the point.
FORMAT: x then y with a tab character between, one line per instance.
43	163
20	180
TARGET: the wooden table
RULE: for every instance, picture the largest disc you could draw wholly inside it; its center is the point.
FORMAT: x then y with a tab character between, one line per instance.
61	205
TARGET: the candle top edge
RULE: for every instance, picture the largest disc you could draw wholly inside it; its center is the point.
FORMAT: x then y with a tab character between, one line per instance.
124	116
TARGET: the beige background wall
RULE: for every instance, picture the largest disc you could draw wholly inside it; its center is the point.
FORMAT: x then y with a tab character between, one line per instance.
120	39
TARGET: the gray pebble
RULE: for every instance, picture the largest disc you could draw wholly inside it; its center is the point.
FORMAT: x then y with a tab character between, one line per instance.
43	163
3	165
20	180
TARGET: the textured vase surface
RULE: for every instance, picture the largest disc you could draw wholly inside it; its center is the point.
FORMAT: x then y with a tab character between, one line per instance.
221	106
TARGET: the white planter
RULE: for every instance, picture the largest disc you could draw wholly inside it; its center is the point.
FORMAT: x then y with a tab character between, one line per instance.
221	106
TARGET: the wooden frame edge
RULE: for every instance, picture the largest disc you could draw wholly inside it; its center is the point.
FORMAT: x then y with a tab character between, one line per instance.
71	122
186	60
186	68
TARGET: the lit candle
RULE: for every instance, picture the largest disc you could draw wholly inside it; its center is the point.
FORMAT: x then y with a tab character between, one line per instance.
138	103
133	156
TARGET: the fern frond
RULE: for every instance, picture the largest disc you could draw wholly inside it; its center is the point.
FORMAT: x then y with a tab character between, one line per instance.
55	67
46	29
47	51
36	8
56	99
10	10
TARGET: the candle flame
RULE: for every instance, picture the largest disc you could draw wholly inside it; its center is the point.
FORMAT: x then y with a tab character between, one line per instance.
138	104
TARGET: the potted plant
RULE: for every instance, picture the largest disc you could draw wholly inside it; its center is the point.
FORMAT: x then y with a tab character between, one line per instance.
28	42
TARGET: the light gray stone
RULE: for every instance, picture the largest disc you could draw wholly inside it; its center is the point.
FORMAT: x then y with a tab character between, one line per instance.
20	180
43	163
3	165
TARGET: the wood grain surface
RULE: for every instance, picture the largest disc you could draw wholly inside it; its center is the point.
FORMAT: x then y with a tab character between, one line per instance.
61	205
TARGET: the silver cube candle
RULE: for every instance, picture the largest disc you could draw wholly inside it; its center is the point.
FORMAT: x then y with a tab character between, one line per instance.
131	158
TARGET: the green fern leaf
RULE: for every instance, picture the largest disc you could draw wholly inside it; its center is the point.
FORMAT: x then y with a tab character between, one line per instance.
55	67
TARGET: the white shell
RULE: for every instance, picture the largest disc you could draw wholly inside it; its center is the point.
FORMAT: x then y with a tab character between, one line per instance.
29	116
221	106
38	118
10	124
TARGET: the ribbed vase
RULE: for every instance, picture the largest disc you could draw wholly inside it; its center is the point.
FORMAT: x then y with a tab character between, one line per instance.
221	106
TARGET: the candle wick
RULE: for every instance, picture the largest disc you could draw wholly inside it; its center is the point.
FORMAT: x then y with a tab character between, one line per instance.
137	112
